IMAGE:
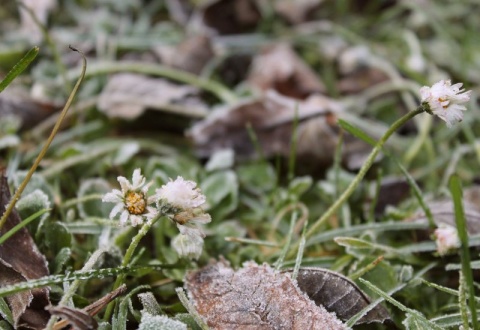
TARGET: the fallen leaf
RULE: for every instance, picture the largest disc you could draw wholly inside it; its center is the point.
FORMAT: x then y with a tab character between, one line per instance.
20	260
191	55
84	317
231	16
281	69
128	95
338	295
443	213
79	319
254	297
18	102
271	118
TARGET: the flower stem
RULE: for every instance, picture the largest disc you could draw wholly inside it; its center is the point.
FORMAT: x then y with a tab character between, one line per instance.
354	184
128	257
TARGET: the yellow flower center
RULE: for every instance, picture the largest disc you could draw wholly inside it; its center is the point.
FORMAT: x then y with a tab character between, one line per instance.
135	202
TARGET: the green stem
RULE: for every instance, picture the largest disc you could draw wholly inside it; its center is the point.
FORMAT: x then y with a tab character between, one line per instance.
128	257
354	184
42	153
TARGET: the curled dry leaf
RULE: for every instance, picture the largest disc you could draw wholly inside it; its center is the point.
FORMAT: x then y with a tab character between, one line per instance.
338	295
280	68
271	118
254	297
128	95
20	260
84	316
79	319
191	55
231	16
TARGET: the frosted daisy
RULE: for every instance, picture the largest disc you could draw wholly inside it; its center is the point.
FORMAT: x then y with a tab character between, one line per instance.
446	238
181	201
446	100
132	200
181	194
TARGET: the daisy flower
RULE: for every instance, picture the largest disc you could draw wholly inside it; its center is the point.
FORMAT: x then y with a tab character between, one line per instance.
181	201
446	238
446	100
132	201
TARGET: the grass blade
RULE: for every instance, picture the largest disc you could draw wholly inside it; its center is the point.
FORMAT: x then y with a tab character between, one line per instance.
19	67
457	195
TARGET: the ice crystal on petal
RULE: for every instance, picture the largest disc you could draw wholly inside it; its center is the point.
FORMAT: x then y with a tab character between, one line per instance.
446	100
181	201
181	194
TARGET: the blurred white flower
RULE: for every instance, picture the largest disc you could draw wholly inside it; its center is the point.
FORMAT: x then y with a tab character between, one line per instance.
446	238
181	194
132	200
188	246
446	100
181	201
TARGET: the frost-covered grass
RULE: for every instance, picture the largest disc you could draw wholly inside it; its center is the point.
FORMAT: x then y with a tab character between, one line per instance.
399	224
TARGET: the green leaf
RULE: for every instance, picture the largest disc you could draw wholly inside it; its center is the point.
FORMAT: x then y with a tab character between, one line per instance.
300	185
221	189
57	237
93	207
357	132
22	224
355	243
19	67
5	312
457	195
60	259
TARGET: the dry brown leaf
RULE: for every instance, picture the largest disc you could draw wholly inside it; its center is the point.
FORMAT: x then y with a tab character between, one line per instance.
77	318
271	118
128	95
17	102
254	297
20	260
191	55
281	69
338	295
231	16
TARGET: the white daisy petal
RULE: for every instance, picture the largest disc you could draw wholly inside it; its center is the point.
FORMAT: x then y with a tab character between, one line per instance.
115	196
116	209
124	218
446	100
124	184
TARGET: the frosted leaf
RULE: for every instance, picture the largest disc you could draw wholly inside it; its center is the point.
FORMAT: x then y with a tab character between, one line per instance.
254	297
160	322
338	294
149	303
